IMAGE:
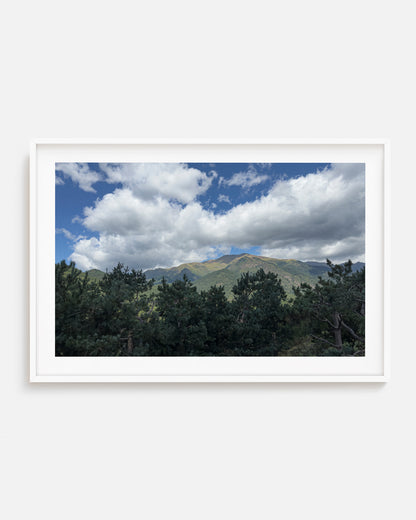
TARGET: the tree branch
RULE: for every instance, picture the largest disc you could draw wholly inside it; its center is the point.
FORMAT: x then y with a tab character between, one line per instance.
353	334
325	320
324	340
359	314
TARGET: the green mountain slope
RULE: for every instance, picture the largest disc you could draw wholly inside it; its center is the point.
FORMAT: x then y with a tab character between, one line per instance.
95	274
193	270
227	269
291	272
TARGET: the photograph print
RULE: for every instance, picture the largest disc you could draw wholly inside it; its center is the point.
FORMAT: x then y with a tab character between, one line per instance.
204	259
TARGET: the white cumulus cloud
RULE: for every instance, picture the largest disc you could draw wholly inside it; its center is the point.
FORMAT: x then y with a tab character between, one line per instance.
146	180
224	198
246	179
70	236
79	173
167	180
67	234
147	222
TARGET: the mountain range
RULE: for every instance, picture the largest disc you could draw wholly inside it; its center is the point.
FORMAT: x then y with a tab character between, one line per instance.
227	269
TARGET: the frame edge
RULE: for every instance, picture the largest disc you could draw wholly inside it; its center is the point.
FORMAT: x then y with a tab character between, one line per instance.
33	261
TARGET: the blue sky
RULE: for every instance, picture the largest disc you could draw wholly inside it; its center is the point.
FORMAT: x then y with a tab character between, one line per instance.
162	214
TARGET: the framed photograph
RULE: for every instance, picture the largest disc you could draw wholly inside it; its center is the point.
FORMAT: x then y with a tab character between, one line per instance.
209	261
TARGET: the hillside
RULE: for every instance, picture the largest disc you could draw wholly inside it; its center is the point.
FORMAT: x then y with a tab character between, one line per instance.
291	272
95	274
227	269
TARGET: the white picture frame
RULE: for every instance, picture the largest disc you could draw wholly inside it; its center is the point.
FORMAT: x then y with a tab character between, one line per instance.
373	367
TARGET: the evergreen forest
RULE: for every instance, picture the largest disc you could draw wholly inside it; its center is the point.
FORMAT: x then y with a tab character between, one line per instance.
123	313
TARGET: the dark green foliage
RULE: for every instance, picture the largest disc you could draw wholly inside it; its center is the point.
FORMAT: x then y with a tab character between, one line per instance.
259	313
75	305
219	321
183	331
101	318
333	312
119	314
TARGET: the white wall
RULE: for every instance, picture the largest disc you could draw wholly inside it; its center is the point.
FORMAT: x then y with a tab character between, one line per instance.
205	69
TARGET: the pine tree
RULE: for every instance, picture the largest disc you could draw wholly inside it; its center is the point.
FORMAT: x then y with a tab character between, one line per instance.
182	329
259	312
123	303
75	298
218	319
334	310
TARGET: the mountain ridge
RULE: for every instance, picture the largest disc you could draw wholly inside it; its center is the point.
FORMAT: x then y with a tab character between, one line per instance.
226	270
